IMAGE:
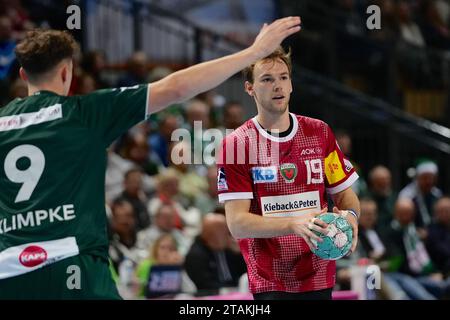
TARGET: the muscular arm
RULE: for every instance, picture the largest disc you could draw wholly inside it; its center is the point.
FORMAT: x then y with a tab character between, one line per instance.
189	82
243	224
346	199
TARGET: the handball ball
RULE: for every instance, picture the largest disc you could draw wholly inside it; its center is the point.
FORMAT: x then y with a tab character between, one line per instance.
338	240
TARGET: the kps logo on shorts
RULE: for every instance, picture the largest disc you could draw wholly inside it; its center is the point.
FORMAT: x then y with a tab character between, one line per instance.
221	180
264	174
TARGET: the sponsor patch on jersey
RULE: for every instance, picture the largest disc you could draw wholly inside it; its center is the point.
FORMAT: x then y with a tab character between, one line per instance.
33	256
333	168
264	174
291	205
221	180
23	120
30	256
288	171
348	165
311	151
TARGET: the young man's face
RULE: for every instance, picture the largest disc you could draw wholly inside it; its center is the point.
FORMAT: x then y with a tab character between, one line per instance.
271	87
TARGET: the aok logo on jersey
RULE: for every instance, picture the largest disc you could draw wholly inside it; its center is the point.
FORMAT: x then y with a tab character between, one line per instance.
33	256
291	205
264	174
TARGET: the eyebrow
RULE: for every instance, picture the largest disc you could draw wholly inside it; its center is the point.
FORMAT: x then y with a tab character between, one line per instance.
271	75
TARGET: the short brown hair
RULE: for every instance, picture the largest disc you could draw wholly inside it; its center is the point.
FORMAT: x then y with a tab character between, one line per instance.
41	50
279	53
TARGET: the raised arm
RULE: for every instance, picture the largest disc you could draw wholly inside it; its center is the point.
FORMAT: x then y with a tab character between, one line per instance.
189	82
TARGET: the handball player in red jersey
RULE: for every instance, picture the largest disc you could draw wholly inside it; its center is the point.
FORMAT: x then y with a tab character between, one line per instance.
274	175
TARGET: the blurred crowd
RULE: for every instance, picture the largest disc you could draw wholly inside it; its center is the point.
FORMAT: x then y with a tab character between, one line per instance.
410	51
168	232
404	234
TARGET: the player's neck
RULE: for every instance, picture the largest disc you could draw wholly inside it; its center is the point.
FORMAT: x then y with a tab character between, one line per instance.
274	122
32	89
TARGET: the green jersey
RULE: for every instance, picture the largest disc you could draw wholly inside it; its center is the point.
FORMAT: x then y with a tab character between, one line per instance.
52	173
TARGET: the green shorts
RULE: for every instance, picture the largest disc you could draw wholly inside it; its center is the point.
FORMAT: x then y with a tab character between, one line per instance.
79	277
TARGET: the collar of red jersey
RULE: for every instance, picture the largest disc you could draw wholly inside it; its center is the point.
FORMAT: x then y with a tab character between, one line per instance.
266	135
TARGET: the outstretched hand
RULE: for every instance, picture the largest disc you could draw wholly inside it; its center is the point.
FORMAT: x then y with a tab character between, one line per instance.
271	35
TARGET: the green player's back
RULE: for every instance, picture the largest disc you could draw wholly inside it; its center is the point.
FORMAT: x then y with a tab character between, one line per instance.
52	170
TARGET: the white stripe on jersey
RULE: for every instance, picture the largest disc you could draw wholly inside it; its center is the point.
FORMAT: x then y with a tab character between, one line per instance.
28	257
23	120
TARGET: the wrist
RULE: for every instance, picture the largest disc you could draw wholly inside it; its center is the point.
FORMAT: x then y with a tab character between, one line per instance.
353	213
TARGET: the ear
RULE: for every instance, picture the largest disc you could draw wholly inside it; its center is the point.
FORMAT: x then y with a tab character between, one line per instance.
64	73
23	74
249	88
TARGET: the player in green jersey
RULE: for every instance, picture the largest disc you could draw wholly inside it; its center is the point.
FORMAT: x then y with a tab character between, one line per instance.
53	241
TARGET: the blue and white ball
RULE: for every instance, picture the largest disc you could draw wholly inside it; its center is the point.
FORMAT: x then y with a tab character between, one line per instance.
337	242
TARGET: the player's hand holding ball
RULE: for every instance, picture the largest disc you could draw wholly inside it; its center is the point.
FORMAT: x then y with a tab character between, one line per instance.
309	228
353	222
341	236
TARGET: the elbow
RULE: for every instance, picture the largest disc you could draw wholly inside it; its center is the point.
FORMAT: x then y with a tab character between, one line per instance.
236	228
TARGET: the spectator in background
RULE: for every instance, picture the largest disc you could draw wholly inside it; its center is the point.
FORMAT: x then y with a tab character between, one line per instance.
191	184
443	7
187	219
136	148
380	189
159	141
412	58
409	30
7	45
163	252
438	240
215	102
370	242
134	194
434	30
207	201
198	120
233	117
123	234
19	18
18	89
86	84
213	262
136	70
93	63
163	223
344	141
371	247
409	260
423	191
116	169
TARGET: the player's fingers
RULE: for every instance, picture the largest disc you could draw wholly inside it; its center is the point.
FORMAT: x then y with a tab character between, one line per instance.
321	223
312	246
315	227
335	210
312	235
354	244
286	23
